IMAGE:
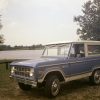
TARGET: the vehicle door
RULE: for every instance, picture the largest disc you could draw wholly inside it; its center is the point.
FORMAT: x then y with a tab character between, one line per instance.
76	61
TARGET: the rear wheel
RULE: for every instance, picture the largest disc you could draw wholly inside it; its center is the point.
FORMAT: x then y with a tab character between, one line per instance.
24	86
95	78
52	86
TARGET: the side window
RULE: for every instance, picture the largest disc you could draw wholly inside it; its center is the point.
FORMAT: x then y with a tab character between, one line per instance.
93	49
77	50
63	50
72	51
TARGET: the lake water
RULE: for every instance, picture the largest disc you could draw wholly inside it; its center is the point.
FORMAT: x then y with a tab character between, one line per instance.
20	54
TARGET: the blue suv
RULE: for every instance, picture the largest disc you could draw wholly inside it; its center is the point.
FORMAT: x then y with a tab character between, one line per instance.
59	63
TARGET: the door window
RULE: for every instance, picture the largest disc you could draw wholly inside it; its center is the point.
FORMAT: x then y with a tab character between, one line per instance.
77	50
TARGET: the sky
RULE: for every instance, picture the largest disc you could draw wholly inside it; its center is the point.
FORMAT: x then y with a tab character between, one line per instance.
28	22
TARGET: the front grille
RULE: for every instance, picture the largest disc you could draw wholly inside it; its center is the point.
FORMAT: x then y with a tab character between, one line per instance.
22	71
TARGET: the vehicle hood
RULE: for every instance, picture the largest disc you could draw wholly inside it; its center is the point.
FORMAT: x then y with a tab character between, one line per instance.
38	62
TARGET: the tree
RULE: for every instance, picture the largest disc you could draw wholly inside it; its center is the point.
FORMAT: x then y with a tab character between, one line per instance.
1	36
89	21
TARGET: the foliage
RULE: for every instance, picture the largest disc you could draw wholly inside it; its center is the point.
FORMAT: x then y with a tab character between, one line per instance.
1	36
33	47
89	21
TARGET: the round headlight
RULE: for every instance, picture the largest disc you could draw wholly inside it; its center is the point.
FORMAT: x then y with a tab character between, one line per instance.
12	69
31	72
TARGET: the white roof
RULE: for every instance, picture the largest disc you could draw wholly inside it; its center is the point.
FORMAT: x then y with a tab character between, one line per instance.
75	42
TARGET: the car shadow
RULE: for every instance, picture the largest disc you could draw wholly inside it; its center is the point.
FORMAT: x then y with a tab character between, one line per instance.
68	88
74	86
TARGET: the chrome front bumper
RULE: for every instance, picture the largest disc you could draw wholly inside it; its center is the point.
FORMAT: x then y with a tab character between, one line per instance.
25	81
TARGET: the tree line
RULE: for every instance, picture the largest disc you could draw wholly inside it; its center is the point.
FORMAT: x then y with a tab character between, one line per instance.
33	47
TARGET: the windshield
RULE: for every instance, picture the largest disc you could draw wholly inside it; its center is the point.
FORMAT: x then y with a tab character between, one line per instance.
57	50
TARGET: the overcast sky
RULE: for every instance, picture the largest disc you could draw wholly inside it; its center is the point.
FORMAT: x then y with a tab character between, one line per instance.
27	22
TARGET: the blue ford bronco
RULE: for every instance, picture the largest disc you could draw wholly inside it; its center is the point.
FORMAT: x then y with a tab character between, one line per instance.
59	63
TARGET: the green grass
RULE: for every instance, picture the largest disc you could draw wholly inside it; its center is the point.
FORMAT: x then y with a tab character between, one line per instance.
75	90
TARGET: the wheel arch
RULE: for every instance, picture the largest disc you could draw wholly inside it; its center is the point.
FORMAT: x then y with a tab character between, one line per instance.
94	69
56	72
93	80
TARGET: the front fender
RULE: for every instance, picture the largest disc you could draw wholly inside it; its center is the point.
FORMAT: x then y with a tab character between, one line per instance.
49	70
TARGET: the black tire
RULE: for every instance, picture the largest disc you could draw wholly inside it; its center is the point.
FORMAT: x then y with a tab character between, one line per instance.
24	86
52	86
95	78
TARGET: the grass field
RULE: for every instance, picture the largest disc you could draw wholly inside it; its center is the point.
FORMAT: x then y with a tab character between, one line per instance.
75	90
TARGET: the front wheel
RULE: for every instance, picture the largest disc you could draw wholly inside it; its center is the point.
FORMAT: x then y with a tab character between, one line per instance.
95	78
52	86
24	86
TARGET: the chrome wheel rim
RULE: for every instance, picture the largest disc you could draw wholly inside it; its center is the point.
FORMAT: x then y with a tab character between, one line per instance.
97	77
55	87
